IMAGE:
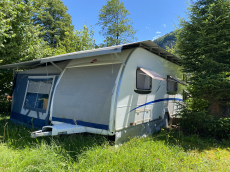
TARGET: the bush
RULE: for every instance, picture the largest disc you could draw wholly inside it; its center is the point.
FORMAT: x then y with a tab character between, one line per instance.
195	120
4	105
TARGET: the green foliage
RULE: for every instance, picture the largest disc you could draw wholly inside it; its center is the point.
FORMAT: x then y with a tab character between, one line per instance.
116	27
56	24
168	40
172	49
19	39
195	120
6	77
4	106
80	40
168	150
57	29
203	44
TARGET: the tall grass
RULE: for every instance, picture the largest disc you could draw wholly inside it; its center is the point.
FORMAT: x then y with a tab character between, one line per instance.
168	150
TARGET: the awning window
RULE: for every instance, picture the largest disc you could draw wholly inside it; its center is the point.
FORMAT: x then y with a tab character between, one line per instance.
152	74
37	95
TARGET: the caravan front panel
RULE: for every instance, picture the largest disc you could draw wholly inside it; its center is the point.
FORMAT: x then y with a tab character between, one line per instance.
143	97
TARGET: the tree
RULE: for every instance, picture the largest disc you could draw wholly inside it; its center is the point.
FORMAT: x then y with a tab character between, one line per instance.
55	21
203	43
19	39
78	41
116	27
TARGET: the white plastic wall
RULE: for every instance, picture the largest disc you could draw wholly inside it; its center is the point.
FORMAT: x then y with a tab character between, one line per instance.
128	100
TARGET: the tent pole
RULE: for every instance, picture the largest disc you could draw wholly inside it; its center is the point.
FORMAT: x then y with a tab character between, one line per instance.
56	66
120	59
13	73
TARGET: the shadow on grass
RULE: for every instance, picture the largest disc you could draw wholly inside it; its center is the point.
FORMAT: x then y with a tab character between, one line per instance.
18	137
175	137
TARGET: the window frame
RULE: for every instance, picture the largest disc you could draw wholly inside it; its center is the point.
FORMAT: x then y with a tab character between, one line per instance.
51	89
142	91
171	92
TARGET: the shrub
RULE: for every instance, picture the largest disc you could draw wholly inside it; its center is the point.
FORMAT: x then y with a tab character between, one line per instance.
195	120
4	105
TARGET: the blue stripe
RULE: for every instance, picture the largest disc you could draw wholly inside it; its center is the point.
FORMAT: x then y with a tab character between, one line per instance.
26	120
155	101
86	124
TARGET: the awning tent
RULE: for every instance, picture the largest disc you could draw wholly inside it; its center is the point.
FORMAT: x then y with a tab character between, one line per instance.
78	106
27	64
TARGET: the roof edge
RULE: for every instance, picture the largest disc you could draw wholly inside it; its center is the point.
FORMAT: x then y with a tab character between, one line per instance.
148	45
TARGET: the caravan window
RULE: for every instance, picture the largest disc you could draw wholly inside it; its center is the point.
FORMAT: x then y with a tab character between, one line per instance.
143	81
171	85
37	95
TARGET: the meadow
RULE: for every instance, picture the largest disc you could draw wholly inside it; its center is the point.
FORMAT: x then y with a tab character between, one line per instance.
167	150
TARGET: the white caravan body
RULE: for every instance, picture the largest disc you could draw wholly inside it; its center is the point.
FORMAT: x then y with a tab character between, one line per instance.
122	91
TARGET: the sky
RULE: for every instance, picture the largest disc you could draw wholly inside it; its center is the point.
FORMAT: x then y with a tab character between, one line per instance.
152	18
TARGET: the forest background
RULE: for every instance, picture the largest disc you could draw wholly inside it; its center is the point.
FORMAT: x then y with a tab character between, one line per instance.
33	29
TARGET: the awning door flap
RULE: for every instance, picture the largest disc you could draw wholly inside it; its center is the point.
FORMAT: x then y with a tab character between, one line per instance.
177	80
152	74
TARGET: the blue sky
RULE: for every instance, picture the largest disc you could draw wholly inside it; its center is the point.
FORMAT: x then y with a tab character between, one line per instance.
152	18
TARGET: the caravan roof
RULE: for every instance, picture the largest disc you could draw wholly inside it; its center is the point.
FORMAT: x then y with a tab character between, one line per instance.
148	45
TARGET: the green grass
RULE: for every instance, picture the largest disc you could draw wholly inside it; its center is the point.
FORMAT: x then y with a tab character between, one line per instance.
168	150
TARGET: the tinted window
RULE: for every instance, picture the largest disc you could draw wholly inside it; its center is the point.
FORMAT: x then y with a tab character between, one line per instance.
143	81
171	85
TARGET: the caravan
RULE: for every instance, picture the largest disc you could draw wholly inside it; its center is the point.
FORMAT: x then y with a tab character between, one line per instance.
122	91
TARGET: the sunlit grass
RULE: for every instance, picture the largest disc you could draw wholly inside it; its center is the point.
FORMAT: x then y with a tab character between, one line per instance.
168	150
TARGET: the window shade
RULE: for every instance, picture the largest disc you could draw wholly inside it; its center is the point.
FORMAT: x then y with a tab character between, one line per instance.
42	87
45	87
152	74
33	87
177	80
144	82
